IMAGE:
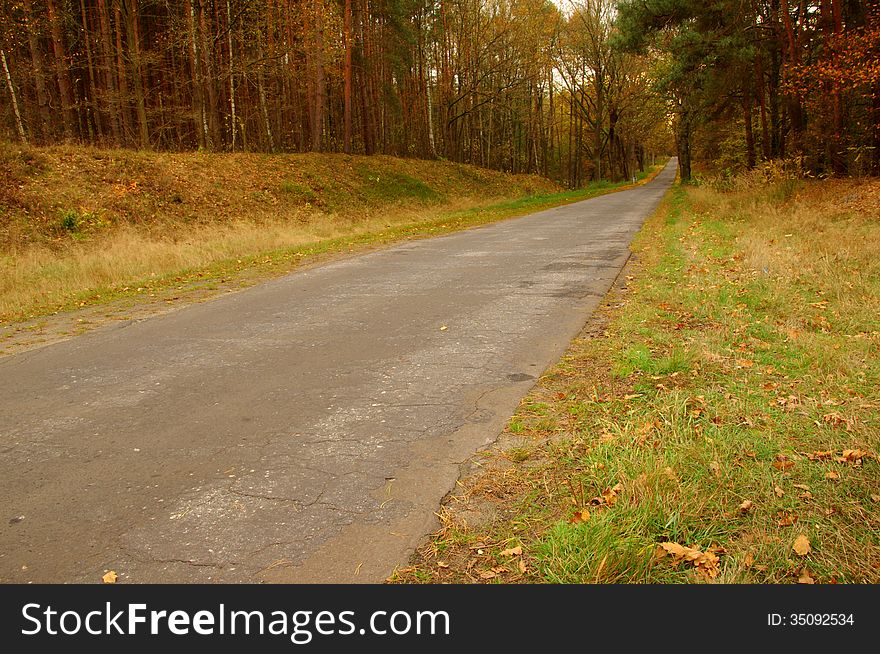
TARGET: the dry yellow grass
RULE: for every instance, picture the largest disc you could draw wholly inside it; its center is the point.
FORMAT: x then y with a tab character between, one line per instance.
78	224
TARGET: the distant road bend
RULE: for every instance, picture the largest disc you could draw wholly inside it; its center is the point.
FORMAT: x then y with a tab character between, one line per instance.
304	430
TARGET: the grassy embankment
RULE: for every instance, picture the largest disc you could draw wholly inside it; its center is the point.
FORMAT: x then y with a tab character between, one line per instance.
81	226
725	402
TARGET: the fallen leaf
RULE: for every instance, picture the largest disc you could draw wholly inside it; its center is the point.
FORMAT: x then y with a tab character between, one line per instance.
715	467
875	498
801	545
805	578
786	519
801	486
513	551
110	577
580	516
820	455
522	566
442	564
852	456
749	560
744	363
609	496
806	495
706	563
783	465
443	328
746	506
779	492
832	475
488	574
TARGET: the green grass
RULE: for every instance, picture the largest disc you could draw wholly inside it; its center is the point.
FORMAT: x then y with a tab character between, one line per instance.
738	366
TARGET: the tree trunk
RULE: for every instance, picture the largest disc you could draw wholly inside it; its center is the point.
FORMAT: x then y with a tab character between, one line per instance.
67	103
200	115
18	124
346	95
44	119
231	74
750	135
112	96
132	30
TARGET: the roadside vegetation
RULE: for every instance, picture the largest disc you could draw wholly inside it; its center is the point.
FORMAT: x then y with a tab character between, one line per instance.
718	421
82	226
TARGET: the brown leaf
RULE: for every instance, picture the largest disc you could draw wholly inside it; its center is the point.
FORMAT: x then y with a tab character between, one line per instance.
786	519
832	475
749	561
579	516
801	545
746	506
522	566
442	564
820	455
801	486
715	467
852	456
110	577
783	465
744	363
513	551
609	496
488	574
806	495
875	498
805	578
779	492
706	563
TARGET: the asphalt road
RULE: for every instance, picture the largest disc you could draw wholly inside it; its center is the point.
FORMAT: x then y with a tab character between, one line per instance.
304	430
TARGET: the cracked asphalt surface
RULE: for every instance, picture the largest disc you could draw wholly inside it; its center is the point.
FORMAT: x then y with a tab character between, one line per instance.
304	430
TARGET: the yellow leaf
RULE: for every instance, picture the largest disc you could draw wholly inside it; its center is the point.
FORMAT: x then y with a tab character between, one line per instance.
801	545
110	577
832	475
580	516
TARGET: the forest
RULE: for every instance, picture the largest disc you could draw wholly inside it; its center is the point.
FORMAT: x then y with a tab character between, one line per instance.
575	90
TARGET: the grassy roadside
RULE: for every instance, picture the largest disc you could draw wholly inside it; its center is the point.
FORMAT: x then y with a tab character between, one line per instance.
719	420
85	227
